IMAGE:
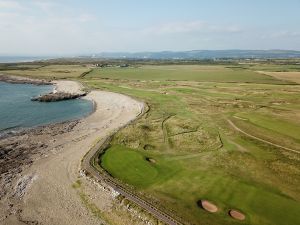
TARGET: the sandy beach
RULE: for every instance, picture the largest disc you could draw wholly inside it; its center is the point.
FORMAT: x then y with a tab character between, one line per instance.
42	192
67	86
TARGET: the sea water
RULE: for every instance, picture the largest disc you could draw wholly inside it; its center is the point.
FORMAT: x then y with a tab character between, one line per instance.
18	111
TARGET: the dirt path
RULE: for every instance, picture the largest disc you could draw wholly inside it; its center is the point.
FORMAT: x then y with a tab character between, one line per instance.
262	140
48	196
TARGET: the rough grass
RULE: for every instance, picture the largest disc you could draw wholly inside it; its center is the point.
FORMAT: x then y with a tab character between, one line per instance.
271	67
186	183
189	73
289	76
275	124
186	127
50	72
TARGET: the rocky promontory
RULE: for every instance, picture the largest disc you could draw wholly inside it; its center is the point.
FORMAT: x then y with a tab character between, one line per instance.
58	96
64	90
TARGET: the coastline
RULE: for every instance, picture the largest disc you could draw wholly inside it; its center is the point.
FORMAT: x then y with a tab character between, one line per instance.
64	86
62	89
39	153
23	80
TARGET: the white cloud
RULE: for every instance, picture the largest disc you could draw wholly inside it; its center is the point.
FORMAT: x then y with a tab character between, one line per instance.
6	19
85	18
190	27
10	5
54	31
57	27
281	34
284	34
7	15
43	5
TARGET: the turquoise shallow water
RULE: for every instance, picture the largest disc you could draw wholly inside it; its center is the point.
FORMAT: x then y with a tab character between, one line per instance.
18	111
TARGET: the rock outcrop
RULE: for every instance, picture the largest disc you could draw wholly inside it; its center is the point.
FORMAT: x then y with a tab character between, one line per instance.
58	96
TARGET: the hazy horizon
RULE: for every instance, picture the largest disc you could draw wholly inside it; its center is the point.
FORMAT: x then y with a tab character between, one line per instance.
44	27
51	55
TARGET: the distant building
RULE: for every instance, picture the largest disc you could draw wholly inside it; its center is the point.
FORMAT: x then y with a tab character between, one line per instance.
100	65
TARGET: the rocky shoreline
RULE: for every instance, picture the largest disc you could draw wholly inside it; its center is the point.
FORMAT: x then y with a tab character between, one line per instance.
39	166
23	80
19	150
59	96
49	97
21	147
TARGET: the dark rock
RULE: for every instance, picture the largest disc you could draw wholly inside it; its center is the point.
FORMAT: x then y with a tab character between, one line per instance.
59	96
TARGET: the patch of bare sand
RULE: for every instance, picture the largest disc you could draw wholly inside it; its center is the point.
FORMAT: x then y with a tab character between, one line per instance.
208	206
51	198
288	76
67	86
236	214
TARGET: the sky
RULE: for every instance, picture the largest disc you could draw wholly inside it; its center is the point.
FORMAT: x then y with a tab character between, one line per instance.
72	27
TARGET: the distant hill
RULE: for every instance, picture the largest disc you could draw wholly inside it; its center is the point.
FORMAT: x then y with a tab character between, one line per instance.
202	54
18	59
165	55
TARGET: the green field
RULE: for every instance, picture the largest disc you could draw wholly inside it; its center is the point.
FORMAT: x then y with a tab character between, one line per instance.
271	67
183	181
195	153
214	73
198	155
134	166
274	124
48	71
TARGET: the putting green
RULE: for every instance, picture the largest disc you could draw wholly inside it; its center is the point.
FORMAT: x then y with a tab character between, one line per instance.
133	167
182	181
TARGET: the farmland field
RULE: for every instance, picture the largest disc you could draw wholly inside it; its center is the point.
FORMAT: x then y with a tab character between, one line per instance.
185	148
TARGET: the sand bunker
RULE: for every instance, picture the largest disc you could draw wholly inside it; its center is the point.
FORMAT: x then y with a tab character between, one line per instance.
236	214
208	206
150	160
